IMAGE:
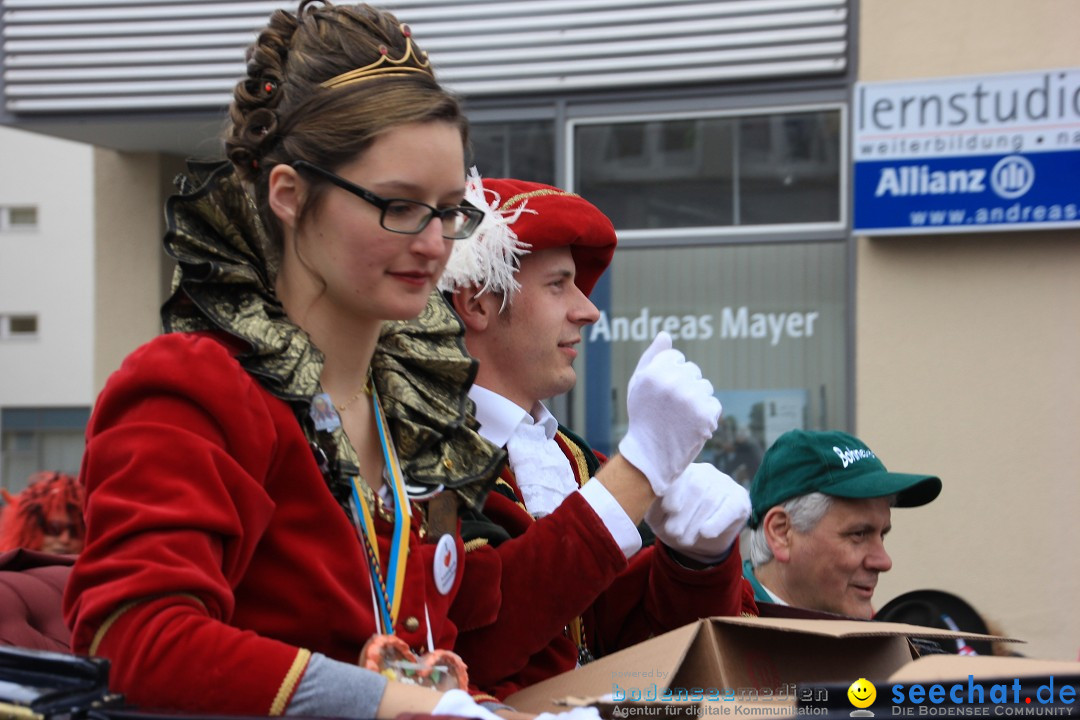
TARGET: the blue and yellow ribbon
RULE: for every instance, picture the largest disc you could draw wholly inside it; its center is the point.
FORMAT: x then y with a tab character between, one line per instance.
390	591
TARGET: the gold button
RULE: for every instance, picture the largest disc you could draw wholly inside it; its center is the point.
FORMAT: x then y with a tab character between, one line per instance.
448	463
412	624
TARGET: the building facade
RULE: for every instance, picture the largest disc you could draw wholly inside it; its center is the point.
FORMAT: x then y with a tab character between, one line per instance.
966	347
46	303
717	135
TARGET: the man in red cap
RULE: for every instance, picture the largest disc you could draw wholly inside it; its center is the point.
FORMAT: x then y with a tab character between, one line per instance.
558	537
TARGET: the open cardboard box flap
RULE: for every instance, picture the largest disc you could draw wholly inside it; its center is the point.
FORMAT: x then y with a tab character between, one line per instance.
850	628
771	655
627	668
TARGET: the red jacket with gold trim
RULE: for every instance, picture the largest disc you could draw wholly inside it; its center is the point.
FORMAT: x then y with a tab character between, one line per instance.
531	585
217	557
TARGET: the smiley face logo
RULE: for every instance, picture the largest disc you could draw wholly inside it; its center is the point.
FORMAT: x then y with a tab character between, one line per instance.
862	693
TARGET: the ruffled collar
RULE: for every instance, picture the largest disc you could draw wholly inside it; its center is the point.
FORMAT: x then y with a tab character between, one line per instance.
224	282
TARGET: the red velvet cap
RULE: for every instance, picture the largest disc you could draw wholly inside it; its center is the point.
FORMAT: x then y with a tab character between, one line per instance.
559	218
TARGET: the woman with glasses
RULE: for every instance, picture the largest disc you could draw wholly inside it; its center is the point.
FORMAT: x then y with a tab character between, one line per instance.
245	545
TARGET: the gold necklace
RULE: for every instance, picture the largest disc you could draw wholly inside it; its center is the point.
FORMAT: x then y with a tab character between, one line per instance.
364	390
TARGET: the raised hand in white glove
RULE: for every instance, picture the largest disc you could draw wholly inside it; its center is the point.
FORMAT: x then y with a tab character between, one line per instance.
701	514
461	704
671	411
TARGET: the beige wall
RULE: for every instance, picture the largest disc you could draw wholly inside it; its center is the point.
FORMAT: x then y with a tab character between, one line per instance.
968	349
129	192
937	38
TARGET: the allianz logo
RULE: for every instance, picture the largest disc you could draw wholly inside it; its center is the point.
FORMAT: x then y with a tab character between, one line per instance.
1011	177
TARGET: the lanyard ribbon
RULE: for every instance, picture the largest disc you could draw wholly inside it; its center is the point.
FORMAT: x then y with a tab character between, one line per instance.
388	600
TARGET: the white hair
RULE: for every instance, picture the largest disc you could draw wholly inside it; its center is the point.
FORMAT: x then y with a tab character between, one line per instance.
804	511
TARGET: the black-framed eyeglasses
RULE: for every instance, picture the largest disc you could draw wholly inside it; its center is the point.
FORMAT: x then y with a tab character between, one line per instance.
408	217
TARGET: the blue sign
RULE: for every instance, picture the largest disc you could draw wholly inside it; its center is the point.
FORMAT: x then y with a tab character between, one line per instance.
967	193
963	154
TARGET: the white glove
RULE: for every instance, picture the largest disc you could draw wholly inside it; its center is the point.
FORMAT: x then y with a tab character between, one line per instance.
702	513
461	704
672	412
578	713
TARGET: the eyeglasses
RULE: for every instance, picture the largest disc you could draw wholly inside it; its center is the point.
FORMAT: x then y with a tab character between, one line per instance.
408	217
56	529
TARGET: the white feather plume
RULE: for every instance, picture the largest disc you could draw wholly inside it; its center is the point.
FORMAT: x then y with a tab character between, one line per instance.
490	258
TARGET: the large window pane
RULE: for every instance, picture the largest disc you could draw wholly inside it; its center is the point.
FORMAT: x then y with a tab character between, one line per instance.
658	174
776	168
523	150
766	323
789	168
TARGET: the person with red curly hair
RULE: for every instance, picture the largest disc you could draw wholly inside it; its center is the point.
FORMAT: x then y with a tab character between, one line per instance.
46	516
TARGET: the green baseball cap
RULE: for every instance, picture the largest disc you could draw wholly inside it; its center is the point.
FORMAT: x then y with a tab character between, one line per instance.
833	463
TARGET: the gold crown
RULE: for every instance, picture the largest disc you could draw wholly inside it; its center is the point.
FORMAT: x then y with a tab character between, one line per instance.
410	62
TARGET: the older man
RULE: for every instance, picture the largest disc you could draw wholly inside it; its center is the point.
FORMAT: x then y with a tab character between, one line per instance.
821	509
558	537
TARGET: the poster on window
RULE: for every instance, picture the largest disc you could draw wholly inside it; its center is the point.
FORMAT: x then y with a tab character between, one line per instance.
751	422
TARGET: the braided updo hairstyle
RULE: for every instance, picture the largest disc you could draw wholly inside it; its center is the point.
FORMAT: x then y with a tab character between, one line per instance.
280	114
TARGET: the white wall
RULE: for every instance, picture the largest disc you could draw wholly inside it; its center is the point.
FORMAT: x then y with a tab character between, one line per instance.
48	272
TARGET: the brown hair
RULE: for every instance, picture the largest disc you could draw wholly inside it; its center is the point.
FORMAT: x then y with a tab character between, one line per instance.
280	112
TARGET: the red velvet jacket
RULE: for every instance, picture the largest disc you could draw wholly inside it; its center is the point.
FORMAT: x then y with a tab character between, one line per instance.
216	556
519	597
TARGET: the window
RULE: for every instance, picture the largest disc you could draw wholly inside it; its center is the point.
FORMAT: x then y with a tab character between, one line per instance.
767	323
524	150
732	225
18	218
727	172
34	439
14	327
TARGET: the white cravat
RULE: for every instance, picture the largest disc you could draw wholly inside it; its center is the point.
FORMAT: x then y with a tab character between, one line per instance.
499	420
542	471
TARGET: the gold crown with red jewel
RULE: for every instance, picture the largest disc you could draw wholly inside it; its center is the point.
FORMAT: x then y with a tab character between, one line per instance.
410	62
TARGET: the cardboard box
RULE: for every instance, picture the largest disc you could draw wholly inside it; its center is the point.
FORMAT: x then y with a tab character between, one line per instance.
764	661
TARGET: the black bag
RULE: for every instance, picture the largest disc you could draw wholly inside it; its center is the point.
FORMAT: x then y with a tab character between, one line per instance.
37	684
